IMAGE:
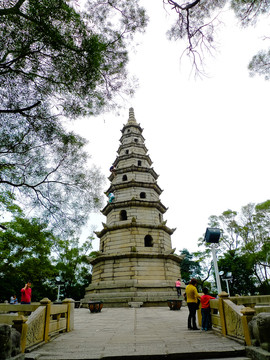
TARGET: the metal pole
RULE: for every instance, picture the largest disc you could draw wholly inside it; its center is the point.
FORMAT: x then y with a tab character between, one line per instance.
227	283
216	269
58	293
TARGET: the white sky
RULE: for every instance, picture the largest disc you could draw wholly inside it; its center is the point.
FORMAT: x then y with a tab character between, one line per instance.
208	138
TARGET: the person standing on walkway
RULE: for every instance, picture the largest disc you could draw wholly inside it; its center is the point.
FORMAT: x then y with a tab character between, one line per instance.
192	302
26	293
178	287
13	300
205	309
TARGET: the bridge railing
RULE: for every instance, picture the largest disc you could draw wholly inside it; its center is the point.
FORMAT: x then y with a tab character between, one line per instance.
261	303
231	315
38	322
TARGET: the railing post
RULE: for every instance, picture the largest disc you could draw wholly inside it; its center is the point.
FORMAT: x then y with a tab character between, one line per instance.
21	326
248	314
46	302
70	314
223	295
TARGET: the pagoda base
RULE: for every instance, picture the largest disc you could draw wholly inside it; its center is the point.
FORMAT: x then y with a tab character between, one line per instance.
119	279
120	294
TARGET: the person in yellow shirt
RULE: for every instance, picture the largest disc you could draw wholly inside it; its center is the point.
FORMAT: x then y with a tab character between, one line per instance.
192	301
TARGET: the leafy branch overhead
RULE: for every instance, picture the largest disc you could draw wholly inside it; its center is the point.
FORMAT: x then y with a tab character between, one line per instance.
46	168
57	62
197	22
75	60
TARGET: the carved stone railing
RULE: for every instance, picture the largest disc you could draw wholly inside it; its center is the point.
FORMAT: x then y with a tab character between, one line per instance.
231	316
37	323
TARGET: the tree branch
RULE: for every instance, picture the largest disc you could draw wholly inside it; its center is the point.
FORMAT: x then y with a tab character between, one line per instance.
183	7
13	10
16	111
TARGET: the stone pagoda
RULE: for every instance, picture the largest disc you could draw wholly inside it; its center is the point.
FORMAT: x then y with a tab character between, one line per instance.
136	262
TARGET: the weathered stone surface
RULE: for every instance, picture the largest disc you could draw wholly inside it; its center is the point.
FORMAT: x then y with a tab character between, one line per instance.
9	342
35	330
257	353
259	328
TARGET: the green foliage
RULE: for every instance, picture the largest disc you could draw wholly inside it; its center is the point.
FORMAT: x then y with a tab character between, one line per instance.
58	61
73	267
189	268
244	247
25	249
45	167
243	280
29	250
53	53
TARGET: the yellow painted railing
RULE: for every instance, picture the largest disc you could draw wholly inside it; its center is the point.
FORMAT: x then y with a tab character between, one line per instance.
232	315
39	321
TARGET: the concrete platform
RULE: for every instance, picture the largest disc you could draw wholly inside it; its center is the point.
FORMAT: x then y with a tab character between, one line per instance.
136	333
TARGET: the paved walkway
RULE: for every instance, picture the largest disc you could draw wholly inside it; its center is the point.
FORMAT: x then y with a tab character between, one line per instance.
136	333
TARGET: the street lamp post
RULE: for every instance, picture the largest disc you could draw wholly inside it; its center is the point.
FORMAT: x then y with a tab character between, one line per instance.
227	284
227	279
212	236
213	249
59	283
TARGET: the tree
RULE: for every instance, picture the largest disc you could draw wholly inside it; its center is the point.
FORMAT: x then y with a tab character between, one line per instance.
25	249
58	62
55	56
256	237
29	250
197	20
245	239
189	268
243	280
73	267
45	168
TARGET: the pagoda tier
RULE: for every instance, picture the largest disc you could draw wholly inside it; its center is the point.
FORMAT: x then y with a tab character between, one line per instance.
136	261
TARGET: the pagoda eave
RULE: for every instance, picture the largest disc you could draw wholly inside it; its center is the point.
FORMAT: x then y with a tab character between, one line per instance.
130	134
130	156
102	257
126	146
134	168
133	224
133	202
132	124
133	183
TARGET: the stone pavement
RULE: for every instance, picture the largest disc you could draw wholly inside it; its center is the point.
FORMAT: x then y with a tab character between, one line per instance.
136	333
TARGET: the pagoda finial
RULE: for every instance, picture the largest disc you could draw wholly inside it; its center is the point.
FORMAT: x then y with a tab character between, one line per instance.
131	118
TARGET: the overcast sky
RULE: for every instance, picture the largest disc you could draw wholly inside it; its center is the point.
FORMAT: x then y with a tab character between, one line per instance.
208	138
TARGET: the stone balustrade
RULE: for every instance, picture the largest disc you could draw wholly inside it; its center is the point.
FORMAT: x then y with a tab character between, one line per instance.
38	322
233	316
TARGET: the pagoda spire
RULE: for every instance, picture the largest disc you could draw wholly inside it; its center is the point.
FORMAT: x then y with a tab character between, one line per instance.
131	119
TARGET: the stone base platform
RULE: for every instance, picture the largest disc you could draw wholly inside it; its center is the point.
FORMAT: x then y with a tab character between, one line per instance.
121	293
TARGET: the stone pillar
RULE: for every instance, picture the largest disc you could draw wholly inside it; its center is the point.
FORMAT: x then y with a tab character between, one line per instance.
21	326
248	314
223	295
46	302
70	313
